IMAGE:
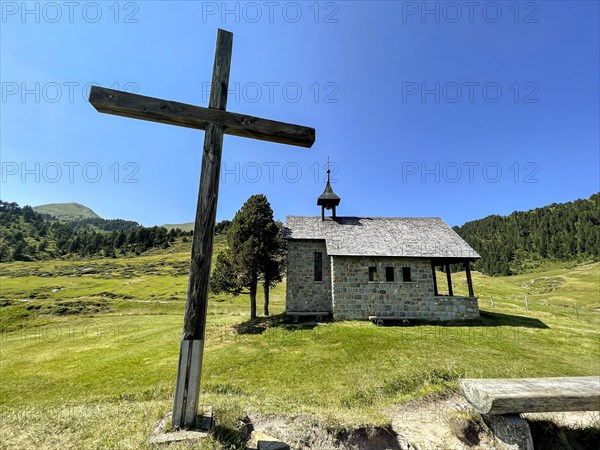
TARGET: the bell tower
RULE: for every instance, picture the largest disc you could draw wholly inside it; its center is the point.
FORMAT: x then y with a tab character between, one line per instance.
328	199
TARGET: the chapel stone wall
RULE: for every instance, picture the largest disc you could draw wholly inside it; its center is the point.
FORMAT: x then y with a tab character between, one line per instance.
356	298
303	293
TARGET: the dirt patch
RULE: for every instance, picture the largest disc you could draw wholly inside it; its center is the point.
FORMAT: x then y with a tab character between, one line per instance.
307	432
438	423
467	426
375	438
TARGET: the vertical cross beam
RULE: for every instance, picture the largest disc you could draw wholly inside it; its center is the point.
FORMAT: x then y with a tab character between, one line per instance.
187	388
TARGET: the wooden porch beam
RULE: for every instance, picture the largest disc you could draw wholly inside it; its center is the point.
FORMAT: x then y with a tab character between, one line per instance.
435	288
469	280
449	278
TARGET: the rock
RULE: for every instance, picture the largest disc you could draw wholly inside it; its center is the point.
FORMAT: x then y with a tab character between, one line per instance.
88	270
511	430
266	442
246	428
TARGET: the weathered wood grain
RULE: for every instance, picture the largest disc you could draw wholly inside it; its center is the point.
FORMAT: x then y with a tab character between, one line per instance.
127	104
523	395
208	195
202	245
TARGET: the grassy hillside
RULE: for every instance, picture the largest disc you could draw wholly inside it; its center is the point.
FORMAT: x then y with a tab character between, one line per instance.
220	227
67	211
88	357
188	226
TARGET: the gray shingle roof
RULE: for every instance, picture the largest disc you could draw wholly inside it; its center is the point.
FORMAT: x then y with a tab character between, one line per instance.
382	236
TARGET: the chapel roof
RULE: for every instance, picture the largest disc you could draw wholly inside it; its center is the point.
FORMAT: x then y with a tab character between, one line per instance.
425	237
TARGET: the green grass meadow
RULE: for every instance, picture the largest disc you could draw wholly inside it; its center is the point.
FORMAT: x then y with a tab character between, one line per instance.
88	360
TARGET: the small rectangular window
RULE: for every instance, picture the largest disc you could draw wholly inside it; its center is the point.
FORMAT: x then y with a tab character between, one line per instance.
373	274
389	274
318	266
406	274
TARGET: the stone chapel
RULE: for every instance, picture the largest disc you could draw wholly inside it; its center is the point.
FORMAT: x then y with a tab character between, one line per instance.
374	268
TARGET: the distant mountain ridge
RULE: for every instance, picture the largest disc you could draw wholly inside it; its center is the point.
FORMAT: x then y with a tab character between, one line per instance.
28	235
83	215
188	226
67	211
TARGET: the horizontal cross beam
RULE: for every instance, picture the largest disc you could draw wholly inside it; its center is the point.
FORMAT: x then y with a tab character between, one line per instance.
137	106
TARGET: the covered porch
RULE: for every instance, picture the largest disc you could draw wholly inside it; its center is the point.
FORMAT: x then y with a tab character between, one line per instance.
445	263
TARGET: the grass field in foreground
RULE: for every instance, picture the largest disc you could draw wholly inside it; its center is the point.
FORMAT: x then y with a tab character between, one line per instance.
93	363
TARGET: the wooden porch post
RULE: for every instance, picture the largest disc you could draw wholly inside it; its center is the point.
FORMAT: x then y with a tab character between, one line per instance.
435	289
449	278
469	281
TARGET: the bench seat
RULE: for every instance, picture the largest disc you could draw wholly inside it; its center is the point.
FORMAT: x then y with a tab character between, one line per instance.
529	395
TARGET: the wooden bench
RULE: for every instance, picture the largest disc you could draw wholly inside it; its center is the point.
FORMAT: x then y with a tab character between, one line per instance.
500	401
318	315
523	395
382	320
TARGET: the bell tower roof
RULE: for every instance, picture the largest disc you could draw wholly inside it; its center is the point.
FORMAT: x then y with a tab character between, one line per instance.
328	199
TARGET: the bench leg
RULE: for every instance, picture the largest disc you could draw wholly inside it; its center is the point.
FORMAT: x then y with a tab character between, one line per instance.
510	429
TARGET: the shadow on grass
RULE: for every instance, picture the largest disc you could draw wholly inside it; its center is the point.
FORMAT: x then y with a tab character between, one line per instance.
547	435
228	436
492	319
261	324
486	319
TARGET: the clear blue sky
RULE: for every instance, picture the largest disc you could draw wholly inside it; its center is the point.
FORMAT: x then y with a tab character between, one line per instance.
454	111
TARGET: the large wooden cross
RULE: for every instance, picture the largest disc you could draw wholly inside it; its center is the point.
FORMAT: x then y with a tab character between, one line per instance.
216	121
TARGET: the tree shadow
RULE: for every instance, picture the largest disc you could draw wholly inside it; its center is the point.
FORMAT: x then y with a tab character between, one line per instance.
486	319
261	324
